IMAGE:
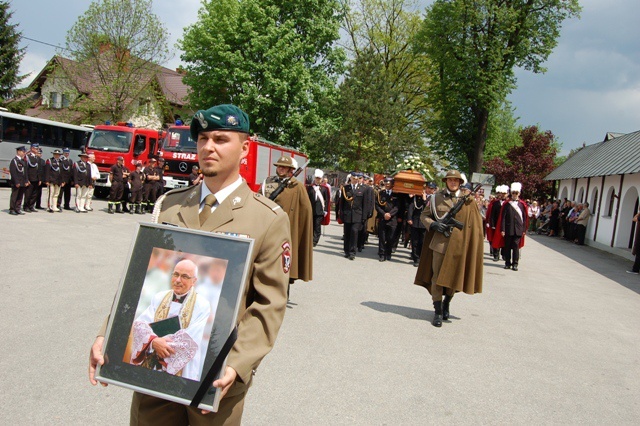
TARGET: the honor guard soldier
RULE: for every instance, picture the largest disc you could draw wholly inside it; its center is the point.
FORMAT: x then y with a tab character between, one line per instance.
136	180
66	166
117	176
493	214
387	204
53	179
19	181
34	177
452	258
352	211
320	197
223	203
81	180
295	202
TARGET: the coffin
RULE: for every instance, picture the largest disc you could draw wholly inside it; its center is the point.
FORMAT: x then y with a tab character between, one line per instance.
408	182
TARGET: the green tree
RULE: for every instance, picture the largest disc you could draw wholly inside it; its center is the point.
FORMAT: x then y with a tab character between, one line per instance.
474	46
274	59
529	163
503	132
117	45
10	54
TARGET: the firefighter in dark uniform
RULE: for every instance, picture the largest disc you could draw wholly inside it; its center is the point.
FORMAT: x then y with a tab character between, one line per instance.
19	181
148	190
117	175
81	181
416	206
66	166
370	205
53	179
42	164
195	177
159	185
33	175
136	179
387	206
353	213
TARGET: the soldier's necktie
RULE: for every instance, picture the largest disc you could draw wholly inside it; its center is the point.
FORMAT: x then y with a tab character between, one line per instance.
209	201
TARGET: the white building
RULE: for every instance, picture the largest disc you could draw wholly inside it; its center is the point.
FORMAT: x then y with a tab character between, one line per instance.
607	176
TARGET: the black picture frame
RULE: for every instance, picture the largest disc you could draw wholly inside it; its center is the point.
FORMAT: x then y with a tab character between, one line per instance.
151	239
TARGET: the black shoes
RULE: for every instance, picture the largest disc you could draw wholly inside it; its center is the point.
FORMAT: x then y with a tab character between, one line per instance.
382	259
507	266
437	316
352	257
514	267
11	212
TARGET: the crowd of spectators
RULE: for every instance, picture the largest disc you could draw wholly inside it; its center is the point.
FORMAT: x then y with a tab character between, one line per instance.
561	218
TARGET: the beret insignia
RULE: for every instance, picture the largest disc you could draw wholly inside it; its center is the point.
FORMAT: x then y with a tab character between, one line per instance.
232	120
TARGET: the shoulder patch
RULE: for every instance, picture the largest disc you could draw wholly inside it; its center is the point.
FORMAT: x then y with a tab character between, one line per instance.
286	257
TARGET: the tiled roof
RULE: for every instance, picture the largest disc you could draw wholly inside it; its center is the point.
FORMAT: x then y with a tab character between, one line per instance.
617	156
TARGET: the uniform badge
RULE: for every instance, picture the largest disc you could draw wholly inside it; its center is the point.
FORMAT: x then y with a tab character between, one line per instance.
232	120
286	257
202	120
236	200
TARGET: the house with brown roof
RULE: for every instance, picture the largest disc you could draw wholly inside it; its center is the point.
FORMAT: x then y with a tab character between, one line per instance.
73	93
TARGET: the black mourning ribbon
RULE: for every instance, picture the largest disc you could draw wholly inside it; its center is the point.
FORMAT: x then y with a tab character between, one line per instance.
215	368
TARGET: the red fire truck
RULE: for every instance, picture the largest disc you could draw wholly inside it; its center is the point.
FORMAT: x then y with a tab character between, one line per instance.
108	142
179	152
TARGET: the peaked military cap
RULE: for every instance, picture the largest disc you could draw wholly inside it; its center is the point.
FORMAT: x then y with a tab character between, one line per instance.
20	148
219	117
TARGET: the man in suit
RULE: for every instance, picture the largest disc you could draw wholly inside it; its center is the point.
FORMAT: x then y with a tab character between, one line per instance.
34	175
451	263
224	203
66	171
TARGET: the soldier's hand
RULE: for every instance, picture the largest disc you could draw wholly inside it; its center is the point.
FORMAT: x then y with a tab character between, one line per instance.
95	359
438	227
410	222
162	348
387	216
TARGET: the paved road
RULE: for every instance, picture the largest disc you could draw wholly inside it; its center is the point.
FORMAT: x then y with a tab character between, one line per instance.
557	342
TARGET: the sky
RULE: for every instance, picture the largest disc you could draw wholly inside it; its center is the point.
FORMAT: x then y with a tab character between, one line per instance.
591	87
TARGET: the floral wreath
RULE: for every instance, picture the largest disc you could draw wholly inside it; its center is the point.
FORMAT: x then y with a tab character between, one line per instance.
413	162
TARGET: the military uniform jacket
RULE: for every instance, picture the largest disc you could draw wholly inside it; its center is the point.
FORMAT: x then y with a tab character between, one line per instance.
66	169
33	166
82	173
18	171
387	203
295	203
53	172
415	209
264	300
353	207
462	265
136	179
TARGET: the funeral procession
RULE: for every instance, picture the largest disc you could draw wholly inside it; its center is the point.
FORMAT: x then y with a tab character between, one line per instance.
249	212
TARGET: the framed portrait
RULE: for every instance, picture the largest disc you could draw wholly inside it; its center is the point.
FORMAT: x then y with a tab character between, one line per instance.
175	307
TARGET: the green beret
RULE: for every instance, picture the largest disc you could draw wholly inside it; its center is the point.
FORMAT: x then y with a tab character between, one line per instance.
219	117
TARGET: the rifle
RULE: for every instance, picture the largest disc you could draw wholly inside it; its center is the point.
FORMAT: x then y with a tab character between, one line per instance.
449	219
284	182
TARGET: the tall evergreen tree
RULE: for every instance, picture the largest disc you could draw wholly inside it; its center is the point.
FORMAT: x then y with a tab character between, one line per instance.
10	53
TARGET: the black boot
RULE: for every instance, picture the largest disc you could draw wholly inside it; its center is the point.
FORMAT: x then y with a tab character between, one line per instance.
110	211
445	307
119	208
437	316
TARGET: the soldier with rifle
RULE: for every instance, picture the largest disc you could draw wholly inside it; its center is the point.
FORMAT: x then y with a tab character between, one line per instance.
291	195
453	256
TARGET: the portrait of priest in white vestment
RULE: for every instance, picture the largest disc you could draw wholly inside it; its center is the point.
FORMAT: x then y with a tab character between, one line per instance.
168	333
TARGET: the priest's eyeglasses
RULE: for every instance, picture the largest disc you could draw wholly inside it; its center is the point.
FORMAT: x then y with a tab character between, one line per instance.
183	277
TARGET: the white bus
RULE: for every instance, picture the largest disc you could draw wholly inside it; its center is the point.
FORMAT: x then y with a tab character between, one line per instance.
17	130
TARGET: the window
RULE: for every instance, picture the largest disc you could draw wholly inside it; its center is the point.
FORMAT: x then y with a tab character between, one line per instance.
593	205
65	100
610	200
56	100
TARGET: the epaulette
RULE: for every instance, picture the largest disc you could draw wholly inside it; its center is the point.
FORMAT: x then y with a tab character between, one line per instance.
272	205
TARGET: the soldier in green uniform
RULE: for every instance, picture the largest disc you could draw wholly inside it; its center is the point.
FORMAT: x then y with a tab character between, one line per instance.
224	203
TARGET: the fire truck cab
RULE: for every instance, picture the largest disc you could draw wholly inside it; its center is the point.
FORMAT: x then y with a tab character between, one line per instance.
258	164
108	142
179	152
